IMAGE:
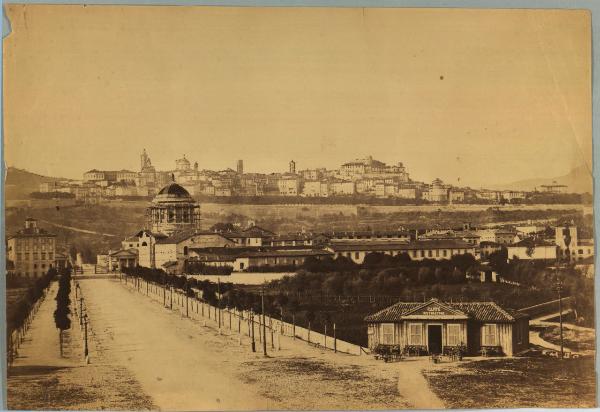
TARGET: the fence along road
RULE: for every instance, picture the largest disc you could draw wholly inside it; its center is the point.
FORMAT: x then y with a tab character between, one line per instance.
241	322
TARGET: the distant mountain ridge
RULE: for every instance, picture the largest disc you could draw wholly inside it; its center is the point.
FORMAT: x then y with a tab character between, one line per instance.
578	180
20	183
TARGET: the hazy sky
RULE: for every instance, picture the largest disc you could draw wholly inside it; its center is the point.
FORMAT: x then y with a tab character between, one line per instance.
489	96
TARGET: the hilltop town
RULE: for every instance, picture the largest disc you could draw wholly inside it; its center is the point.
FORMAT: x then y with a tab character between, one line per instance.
360	179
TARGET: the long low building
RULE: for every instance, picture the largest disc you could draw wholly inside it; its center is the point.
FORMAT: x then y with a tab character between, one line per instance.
417	250
242	259
436	327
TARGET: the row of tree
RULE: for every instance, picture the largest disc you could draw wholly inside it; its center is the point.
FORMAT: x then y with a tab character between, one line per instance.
19	312
63	302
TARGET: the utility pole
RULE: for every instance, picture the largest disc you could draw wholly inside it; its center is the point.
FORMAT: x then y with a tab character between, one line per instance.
334	340
219	302
264	327
559	288
85	348
80	312
251	319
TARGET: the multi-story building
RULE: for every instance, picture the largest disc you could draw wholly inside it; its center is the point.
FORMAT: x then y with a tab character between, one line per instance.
342	188
315	188
554	188
32	250
289	185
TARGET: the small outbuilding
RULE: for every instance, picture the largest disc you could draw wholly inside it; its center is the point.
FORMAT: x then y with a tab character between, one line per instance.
436	327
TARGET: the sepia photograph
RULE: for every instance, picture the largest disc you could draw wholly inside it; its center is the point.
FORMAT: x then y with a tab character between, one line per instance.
297	208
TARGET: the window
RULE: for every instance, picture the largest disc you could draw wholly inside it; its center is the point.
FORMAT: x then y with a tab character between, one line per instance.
581	251
414	337
422	253
50	255
488	335
445	253
43	255
430	253
453	335
356	255
414	253
387	332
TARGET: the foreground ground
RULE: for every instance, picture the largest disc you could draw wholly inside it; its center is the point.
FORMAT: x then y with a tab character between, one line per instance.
517	383
145	356
42	379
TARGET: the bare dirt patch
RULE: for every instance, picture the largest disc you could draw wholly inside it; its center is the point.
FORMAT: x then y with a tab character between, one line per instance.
86	387
516	383
348	386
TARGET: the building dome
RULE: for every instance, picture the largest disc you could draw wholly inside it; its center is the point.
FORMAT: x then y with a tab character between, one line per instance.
173	193
182	164
173	210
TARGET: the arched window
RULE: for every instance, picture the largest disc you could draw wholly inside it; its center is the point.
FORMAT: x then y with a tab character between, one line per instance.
185	250
144	244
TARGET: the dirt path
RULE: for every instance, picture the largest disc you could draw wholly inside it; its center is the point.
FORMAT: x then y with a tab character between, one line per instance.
412	383
40	379
76	229
186	365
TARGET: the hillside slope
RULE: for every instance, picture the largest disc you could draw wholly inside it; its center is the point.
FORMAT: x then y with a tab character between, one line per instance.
20	183
578	180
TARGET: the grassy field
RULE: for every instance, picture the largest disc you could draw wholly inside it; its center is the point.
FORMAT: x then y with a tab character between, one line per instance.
577	340
517	383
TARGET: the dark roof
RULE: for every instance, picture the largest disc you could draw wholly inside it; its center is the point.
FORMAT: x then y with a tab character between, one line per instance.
377	233
174	189
170	263
418	245
286	253
157	235
478	311
487	243
184	235
31	232
123	252
532	243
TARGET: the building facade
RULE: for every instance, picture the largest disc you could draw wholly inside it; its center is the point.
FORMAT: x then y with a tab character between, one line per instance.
436	327
32	250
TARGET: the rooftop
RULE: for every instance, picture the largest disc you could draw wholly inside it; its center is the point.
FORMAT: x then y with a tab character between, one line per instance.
479	311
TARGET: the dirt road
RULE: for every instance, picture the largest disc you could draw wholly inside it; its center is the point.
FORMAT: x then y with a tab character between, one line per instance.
185	365
40	379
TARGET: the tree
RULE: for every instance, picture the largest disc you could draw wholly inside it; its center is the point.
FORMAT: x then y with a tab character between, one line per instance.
62	312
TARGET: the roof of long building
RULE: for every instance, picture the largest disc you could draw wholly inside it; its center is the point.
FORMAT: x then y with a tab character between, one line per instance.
417	245
479	311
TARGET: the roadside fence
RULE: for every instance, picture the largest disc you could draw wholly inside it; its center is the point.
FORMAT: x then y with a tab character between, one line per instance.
243	322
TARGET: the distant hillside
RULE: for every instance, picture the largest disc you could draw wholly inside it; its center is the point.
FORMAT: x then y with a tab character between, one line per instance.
19	183
578	180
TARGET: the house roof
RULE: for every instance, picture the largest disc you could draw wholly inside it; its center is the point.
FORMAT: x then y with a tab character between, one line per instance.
31	232
169	264
487	243
286	253
417	245
478	311
125	253
529	242
185	235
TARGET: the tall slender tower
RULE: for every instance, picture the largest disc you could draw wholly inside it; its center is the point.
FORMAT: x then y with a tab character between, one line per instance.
292	167
240	167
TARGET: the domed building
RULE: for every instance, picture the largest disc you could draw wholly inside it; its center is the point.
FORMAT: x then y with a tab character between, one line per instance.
173	210
182	164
